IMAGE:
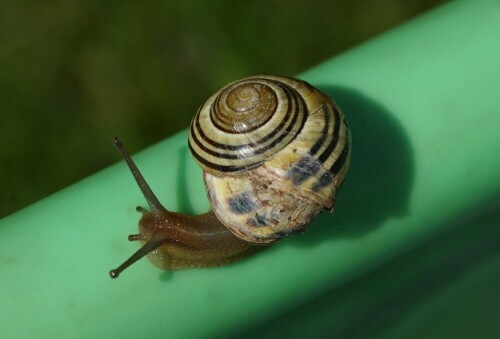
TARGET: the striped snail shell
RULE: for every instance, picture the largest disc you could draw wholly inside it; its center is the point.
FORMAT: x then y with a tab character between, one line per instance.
274	151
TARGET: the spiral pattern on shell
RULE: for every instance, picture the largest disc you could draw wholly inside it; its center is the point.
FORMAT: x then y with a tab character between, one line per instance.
244	123
274	152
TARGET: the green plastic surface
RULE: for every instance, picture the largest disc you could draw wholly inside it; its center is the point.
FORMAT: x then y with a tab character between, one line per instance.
414	239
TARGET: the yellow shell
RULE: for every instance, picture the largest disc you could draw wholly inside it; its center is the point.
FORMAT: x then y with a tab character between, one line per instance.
274	151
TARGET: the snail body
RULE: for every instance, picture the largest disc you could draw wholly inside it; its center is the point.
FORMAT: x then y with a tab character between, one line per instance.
274	152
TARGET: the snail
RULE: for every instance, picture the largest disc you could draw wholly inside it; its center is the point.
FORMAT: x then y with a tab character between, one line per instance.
274	152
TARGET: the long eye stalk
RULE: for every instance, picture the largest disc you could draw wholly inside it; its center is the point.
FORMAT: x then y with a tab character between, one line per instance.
154	204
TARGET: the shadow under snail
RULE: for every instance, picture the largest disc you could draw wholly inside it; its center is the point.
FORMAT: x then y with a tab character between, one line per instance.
274	152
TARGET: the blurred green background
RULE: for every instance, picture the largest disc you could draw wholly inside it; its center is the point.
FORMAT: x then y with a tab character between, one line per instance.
73	74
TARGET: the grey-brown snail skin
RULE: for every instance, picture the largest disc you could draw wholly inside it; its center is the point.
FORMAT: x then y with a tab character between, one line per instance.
274	152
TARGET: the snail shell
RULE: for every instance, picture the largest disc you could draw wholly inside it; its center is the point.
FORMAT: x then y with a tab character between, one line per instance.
274	152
